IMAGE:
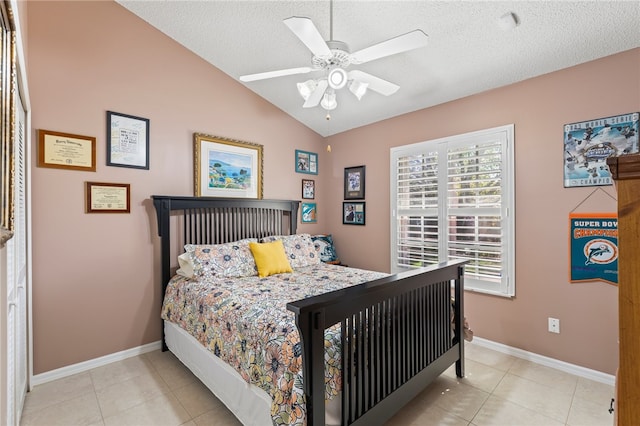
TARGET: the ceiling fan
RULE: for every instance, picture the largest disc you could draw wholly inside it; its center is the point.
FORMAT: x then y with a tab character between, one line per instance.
334	58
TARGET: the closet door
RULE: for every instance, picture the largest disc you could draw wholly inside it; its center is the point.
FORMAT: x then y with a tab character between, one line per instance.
17	282
13	372
20	254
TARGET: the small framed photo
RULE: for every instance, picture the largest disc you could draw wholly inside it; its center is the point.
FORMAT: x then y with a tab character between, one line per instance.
107	197
226	167
353	213
308	189
66	151
127	141
308	213
306	162
354	183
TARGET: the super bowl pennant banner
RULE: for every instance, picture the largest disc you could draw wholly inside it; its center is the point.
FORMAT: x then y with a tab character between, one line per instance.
593	247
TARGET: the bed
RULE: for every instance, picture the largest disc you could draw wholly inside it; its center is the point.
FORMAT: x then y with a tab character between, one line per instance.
363	351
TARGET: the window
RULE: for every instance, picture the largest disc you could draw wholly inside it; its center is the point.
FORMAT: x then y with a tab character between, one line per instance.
453	198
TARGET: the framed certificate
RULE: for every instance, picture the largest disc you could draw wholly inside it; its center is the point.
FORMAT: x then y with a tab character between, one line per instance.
108	197
66	151
127	141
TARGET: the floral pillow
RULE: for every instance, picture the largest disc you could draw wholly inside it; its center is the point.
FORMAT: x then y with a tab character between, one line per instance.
325	248
226	260
299	249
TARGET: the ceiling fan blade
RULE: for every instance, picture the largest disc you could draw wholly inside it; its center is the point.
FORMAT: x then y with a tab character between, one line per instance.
317	94
399	44
376	84
304	29
278	73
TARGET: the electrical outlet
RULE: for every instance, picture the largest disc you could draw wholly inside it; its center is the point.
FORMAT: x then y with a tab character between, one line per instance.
554	325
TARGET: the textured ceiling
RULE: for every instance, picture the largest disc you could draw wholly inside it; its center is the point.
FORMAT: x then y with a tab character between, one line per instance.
468	51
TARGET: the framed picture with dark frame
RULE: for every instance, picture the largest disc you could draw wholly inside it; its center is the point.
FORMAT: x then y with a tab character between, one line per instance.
354	179
353	213
306	162
308	189
127	141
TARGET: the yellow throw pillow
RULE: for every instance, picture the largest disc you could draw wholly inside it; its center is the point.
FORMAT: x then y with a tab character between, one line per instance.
270	258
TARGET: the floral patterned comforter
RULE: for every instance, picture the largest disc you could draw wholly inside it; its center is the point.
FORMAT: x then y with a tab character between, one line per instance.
245	322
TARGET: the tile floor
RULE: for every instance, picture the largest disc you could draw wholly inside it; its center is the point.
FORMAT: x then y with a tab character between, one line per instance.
155	389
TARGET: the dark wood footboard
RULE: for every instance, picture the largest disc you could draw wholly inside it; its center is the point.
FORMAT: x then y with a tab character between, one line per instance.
397	333
397	337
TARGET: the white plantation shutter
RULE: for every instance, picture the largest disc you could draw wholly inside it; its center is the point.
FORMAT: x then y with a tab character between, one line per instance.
452	199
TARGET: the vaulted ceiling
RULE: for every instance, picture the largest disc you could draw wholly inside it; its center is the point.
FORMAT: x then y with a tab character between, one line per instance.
470	48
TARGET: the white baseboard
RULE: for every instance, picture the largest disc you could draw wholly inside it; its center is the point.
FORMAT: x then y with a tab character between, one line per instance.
586	373
70	370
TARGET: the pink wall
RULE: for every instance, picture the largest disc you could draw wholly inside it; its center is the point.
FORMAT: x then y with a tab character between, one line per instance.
538	108
95	284
95	279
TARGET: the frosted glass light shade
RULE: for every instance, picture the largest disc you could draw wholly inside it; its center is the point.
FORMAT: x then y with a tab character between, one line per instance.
329	101
306	88
358	88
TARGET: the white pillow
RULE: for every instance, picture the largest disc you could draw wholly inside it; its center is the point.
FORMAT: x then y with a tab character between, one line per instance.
186	265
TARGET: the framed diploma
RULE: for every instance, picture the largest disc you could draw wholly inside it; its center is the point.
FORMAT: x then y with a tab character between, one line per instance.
127	141
66	151
108	197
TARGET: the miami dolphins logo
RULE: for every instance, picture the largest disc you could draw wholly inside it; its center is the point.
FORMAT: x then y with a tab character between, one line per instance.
600	252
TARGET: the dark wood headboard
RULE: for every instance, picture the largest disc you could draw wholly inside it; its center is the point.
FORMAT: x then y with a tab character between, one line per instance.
208	220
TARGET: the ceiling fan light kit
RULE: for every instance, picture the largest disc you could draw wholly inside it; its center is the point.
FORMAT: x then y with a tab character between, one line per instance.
337	78
333	57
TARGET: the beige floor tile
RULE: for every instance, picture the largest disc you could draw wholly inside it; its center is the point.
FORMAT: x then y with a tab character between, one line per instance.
478	375
119	371
174	373
164	410
535	396
52	393
156	389
594	391
587	413
559	380
456	397
197	399
162	360
130	392
219	416
500	412
488	357
415	415
79	411
435	390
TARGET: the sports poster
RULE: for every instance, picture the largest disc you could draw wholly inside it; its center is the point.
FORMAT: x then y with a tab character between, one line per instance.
588	144
593	247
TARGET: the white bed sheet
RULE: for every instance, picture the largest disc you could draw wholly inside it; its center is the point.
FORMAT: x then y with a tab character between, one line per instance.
250	404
